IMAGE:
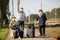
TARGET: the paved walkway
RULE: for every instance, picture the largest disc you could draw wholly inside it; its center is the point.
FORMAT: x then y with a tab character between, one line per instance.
26	38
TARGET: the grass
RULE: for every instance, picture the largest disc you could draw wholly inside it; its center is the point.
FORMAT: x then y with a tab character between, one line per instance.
3	33
52	32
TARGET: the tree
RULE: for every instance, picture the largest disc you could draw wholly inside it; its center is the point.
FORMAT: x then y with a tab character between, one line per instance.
0	12
58	12
48	14
32	17
4	6
53	13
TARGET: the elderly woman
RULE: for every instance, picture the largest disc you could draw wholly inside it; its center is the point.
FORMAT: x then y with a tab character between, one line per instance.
41	19
12	26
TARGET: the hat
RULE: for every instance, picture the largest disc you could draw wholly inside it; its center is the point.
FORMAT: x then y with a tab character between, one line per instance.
22	8
13	17
40	10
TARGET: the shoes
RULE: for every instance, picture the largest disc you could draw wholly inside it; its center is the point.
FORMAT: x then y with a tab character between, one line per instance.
42	35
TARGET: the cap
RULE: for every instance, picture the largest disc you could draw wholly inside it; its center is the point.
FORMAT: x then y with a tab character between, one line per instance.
13	17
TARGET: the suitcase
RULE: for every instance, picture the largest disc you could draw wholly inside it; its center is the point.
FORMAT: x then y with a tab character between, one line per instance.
15	33
30	31
21	31
21	34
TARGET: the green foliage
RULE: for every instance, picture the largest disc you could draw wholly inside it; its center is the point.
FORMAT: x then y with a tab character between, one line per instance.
58	12
52	13
32	17
4	7
48	14
3	33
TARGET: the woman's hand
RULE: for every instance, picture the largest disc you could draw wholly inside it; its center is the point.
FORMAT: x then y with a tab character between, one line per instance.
37	22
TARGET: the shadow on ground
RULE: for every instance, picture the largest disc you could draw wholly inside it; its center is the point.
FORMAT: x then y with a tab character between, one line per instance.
58	38
37	37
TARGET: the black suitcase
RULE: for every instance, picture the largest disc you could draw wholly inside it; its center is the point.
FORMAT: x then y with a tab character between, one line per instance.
21	31
15	34
30	31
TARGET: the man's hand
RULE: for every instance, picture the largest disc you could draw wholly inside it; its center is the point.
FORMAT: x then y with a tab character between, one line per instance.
18	5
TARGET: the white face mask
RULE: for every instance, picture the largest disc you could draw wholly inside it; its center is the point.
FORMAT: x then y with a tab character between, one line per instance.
40	14
21	10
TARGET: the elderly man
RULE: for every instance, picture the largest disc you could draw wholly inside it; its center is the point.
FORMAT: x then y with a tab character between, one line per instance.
20	21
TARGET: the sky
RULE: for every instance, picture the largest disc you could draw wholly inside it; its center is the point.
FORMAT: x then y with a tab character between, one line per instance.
33	6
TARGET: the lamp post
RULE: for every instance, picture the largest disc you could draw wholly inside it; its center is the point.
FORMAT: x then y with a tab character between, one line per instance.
29	18
55	16
41	4
12	8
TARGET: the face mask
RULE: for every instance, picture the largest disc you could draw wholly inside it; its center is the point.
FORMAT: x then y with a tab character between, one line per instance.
21	10
40	14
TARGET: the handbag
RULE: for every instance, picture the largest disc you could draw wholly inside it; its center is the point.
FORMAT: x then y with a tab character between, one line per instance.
14	27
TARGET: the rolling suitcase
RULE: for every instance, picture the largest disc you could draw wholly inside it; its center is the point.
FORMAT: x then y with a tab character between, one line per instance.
21	32
15	34
30	31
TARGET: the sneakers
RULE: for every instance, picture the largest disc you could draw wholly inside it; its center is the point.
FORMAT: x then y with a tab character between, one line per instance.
42	35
